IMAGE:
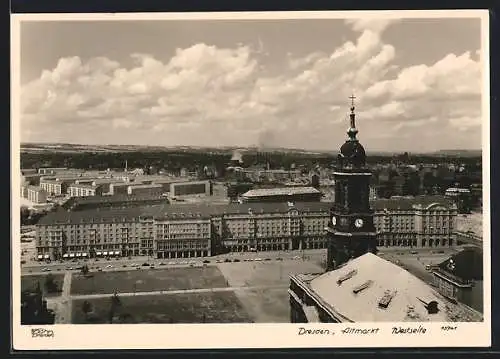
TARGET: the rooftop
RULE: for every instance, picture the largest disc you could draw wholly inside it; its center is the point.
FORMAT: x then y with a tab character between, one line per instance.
371	289
465	265
35	188
82	185
145	186
283	191
186	210
405	203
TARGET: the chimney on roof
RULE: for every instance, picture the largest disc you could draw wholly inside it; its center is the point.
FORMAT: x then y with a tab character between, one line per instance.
431	306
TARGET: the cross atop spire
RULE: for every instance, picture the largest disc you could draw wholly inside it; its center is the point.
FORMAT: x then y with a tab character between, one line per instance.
352	130
352	97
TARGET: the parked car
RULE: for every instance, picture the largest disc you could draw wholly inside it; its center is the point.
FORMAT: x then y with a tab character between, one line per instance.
227	260
206	261
267	259
99	269
279	259
414	252
145	264
162	264
236	260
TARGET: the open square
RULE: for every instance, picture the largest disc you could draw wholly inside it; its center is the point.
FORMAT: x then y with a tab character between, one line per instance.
148	280
204	307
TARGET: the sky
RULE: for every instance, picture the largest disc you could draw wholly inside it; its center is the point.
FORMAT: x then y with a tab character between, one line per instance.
267	83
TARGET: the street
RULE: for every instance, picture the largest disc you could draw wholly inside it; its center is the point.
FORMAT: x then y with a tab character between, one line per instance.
416	261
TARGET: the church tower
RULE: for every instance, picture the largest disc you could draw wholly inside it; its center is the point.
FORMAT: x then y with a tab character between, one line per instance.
351	231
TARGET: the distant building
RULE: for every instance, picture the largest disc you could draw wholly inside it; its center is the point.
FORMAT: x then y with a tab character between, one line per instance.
75	204
460	277
178	189
315	183
51	170
28	171
370	289
54	187
36	194
84	190
118	188
462	198
31	178
284	194
145	189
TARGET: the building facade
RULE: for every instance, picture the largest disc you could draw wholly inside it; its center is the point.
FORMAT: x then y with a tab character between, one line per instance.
84	190
179	189
271	226
170	231
420	222
36	194
145	189
460	277
118	188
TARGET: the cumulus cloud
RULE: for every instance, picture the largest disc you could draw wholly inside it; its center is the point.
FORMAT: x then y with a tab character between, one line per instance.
206	95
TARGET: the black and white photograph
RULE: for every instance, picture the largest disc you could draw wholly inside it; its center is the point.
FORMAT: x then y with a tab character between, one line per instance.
229	176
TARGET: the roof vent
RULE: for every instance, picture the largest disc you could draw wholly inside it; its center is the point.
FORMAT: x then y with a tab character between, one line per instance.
347	276
386	299
362	287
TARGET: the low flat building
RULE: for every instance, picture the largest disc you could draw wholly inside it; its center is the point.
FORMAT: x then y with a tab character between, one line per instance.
118	188
84	190
284	194
460	277
179	189
370	289
145	189
54	187
115	201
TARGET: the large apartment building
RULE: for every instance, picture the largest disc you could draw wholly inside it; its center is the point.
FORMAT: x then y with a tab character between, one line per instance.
180	230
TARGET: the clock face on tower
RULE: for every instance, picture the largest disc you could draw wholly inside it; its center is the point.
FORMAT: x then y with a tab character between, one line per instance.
334	220
358	223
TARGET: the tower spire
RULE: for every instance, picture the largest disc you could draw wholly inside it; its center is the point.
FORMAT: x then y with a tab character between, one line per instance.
352	132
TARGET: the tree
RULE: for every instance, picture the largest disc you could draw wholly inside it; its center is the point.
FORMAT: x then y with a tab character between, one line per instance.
85	270
86	309
50	284
115	303
25	215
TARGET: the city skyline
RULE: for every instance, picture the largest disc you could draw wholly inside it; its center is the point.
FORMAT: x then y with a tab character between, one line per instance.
267	83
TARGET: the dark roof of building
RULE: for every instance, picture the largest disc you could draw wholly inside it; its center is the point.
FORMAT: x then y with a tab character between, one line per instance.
407	203
203	210
118	198
465	265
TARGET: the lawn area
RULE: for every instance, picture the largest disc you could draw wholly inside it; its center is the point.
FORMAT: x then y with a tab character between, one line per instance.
269	305
206	307
149	280
249	274
29	282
